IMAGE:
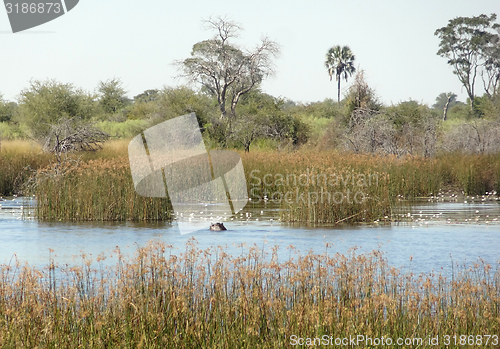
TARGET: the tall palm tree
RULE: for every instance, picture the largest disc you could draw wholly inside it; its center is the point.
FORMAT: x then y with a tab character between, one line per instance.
340	62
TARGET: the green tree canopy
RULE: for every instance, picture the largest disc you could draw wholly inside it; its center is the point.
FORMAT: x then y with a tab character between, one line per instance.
147	96
471	46
340	62
112	95
7	110
46	103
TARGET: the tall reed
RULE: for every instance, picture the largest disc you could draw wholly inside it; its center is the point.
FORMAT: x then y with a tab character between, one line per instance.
94	190
18	160
318	183
259	299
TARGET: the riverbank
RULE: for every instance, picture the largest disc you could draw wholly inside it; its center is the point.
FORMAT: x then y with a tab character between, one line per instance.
310	186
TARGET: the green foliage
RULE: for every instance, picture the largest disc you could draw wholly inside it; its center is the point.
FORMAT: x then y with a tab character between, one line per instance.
327	109
147	96
316	117
7	110
10	131
46	103
487	107
126	129
459	112
340	62
173	102
471	46
112	96
409	112
263	116
140	110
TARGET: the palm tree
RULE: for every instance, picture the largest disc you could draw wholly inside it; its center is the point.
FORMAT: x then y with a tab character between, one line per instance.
340	62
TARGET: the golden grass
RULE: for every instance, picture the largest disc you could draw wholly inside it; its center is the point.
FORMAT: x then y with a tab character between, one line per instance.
18	160
209	299
100	187
94	190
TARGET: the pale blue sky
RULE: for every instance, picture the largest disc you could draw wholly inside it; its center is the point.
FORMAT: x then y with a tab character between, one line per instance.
137	41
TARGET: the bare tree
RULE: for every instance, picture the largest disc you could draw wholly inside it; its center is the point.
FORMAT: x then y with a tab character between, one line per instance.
491	72
225	70
480	136
450	97
69	136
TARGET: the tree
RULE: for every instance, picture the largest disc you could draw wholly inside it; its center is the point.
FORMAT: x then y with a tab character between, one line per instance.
71	135
147	96
46	103
469	45
7	110
361	96
444	102
225	70
491	72
112	95
340	62
263	117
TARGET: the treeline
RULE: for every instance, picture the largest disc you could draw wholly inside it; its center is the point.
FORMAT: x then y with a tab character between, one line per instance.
45	104
364	125
359	123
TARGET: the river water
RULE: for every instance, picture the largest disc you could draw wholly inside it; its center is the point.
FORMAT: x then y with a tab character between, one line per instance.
430	236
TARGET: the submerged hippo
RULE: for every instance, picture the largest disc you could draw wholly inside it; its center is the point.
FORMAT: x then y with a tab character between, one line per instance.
217	227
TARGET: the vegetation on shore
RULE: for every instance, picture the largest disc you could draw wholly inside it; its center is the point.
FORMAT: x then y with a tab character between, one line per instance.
364	154
310	186
210	299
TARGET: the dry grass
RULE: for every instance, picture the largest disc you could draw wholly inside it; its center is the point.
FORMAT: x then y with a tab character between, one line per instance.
209	299
100	187
94	190
386	178
18	159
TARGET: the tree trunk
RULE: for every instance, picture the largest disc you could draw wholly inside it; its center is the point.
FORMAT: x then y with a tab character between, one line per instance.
445	111
338	97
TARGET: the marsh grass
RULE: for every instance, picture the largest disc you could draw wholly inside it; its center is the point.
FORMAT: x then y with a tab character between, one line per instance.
94	190
386	178
258	299
18	159
98	186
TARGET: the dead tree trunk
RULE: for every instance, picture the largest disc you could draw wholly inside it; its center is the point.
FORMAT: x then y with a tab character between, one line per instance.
446	106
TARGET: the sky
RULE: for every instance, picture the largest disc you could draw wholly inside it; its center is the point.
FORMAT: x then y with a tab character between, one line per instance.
138	41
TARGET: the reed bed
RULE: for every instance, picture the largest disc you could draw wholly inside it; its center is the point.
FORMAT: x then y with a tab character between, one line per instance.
94	190
310	186
319	187
258	299
18	159
373	182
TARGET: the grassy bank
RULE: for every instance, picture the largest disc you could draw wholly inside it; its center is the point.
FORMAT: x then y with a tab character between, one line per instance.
18	159
331	187
94	190
311	186
209	299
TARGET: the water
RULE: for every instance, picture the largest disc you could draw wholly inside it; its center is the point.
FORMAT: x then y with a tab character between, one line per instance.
429	237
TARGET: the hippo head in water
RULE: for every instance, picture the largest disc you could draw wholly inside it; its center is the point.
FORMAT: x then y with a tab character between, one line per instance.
217	226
